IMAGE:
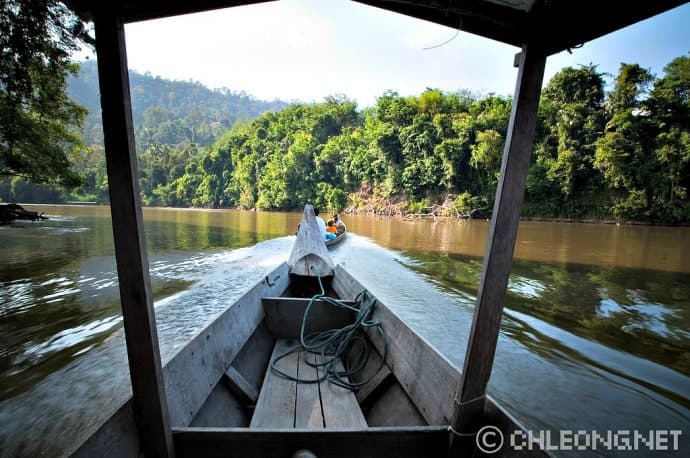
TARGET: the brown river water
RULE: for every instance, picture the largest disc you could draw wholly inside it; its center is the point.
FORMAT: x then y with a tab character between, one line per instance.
595	333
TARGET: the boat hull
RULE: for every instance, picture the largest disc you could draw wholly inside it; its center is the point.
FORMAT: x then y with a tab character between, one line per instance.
216	382
337	240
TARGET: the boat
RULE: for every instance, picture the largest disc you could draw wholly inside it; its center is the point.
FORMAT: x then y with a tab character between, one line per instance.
336	240
13	212
201	402
224	398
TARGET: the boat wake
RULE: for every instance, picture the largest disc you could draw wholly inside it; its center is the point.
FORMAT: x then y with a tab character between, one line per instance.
96	382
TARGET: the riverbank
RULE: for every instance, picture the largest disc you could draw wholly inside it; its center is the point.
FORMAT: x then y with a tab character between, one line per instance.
464	207
430	213
444	212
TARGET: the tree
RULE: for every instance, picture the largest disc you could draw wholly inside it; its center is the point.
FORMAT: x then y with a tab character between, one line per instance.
39	125
670	107
561	178
624	154
631	83
627	155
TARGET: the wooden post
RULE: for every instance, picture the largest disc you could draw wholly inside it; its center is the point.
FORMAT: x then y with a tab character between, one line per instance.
498	256
150	403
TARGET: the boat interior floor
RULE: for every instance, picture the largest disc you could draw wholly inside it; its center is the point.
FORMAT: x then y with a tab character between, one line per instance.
254	411
402	407
284	403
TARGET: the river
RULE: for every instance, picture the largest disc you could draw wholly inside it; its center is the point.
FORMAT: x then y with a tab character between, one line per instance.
595	333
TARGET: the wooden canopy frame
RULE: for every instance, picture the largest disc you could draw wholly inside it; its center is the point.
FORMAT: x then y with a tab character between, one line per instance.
539	27
557	24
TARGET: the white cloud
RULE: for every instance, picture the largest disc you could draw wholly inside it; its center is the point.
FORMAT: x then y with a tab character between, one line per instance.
308	49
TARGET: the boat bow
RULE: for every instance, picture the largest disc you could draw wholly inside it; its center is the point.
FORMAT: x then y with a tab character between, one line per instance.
309	256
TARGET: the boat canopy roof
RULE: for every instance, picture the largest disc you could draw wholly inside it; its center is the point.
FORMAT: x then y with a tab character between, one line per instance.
553	25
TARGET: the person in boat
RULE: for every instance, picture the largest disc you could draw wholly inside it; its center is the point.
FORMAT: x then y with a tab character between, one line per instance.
339	225
331	230
321	224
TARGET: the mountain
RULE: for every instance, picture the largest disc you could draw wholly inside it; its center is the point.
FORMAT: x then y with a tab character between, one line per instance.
168	112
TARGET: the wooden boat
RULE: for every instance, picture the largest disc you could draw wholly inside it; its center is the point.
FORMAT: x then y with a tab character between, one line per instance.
185	408
13	212
225	400
336	240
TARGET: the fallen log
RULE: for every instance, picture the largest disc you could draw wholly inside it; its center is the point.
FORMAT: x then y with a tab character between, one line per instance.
13	212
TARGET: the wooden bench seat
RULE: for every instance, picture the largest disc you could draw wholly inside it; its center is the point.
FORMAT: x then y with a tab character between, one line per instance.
287	404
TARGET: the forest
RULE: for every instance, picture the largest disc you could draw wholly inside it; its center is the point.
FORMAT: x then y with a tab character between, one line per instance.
618	151
167	112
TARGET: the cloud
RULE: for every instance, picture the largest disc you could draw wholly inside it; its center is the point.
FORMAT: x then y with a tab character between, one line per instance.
307	49
260	49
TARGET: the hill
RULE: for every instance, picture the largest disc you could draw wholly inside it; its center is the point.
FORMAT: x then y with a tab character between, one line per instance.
621	155
168	112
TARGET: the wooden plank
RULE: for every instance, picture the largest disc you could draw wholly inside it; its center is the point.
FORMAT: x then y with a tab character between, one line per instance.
340	407
498	256
429	379
150	402
221	409
239	386
394	408
377	383
138	10
308	412
557	23
199	365
560	25
284	316
276	405
115	439
253	359
193	372
309	250
424	374
409	442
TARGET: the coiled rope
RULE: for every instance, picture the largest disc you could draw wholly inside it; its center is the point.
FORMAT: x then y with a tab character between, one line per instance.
335	344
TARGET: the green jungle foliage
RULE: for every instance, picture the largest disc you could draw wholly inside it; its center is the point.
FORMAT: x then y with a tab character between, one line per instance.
39	125
623	154
172	116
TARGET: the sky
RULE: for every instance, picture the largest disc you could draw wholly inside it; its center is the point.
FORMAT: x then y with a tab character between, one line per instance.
305	50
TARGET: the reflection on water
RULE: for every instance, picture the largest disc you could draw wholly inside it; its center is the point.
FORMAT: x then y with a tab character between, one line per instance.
77	388
595	332
58	284
645	313
655	248
547	376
